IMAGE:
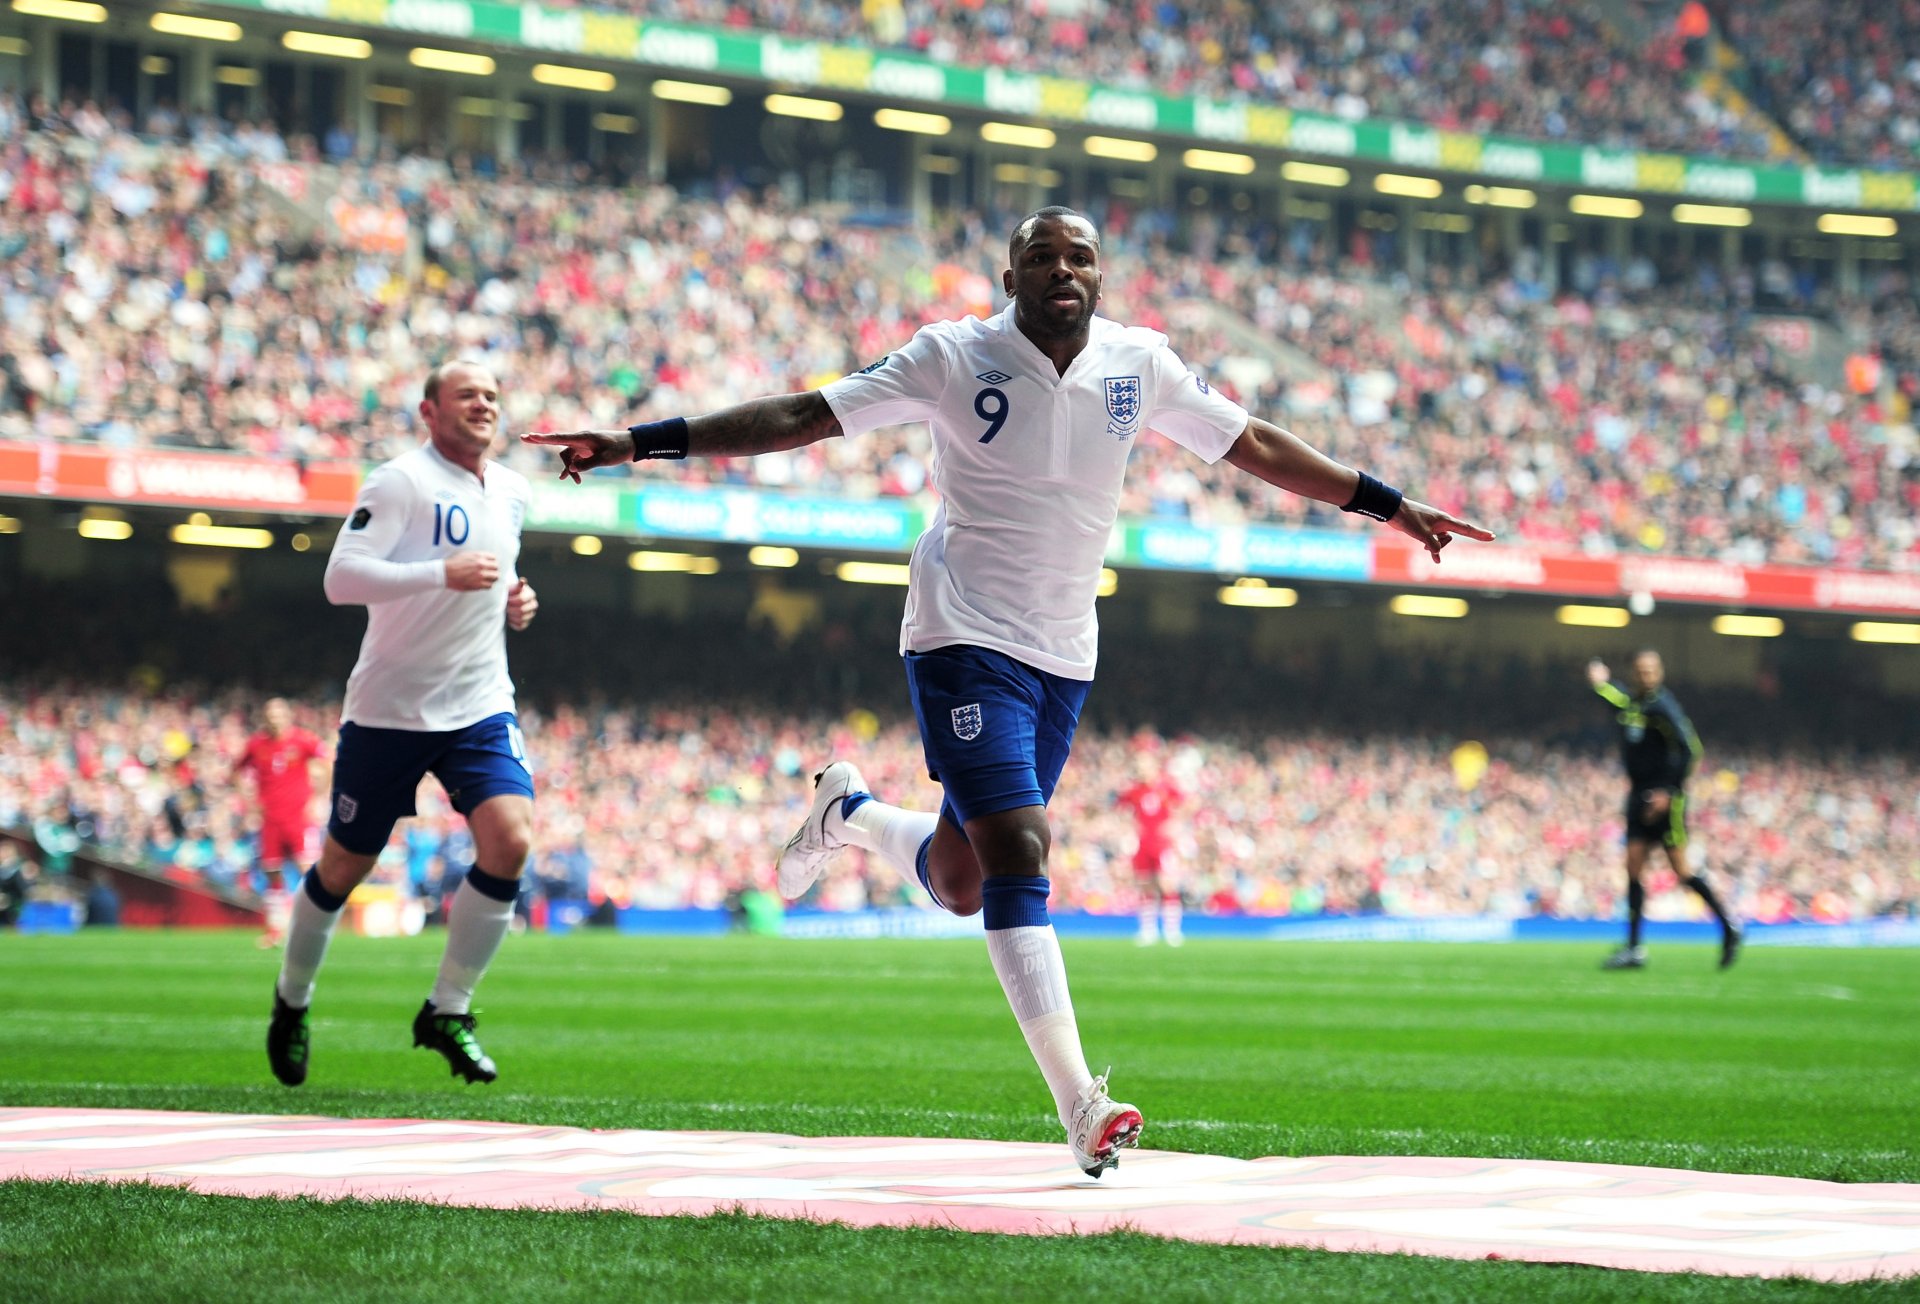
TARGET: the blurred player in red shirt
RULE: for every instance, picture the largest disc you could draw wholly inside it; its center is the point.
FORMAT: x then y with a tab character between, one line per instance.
280	758
1152	799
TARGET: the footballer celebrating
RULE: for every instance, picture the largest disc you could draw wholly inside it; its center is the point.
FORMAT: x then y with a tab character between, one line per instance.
1034	413
430	551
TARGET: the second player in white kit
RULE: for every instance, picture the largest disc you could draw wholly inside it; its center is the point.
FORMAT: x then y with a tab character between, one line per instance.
430	550
1033	413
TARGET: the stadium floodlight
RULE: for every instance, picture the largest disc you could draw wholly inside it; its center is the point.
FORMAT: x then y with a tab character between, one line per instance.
1606	206
1885	631
805	106
202	29
920	124
586	545
1314	174
872	572
1500	196
1252	591
1019	174
15	46
616	124
396	96
1109	582
221	536
684	563
1749	626
333	47
300	542
686	92
1712	215
95	527
1218	160
1427	604
1014	133
1857	224
74	11
1397	183
944	164
773	558
1130	151
9	525
1594	617
576	79
234	74
460	61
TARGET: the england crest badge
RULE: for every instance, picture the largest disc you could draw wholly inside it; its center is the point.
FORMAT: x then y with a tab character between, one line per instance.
1123	405
967	722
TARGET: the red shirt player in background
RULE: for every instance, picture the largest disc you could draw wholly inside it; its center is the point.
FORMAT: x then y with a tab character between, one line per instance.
1152	799
280	758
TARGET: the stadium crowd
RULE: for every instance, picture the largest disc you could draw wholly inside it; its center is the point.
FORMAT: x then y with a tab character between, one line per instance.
672	805
1842	76
1612	75
160	296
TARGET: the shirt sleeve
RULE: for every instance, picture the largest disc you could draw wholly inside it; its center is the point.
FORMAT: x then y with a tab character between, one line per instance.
1683	749
903	386
358	571
1187	411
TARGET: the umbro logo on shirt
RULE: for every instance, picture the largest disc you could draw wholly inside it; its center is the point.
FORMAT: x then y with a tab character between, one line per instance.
994	377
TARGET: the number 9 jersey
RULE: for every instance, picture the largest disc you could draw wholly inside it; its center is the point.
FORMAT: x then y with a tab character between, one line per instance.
433	658
1028	466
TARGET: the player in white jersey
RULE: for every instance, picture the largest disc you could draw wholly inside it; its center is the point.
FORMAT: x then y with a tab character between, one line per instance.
431	551
1034	413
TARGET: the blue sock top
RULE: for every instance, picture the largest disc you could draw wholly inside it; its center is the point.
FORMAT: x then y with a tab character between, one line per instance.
1015	901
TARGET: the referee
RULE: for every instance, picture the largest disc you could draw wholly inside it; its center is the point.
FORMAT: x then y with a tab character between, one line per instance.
1660	748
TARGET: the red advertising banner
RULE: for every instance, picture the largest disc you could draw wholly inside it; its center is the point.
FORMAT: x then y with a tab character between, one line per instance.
51	469
1398	560
1671	579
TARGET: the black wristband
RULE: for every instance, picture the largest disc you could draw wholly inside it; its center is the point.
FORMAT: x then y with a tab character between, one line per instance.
660	438
1375	499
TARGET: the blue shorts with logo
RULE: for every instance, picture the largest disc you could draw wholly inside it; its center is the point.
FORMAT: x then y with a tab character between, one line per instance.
996	731
377	771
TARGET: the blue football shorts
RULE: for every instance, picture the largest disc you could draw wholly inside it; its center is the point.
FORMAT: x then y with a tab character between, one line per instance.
995	730
377	771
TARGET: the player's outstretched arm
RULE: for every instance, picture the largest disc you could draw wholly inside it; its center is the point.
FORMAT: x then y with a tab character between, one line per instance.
761	425
1282	458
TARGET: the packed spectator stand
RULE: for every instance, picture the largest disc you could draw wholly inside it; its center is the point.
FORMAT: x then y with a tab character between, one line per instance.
157	295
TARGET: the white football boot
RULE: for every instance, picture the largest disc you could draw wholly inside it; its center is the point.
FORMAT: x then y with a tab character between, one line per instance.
822	833
1101	1128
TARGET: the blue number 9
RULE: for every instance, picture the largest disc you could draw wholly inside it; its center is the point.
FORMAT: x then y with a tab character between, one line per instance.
994	414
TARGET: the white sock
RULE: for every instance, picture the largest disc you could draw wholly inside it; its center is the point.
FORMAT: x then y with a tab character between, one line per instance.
1148	932
475	924
308	933
1170	916
894	834
1034	978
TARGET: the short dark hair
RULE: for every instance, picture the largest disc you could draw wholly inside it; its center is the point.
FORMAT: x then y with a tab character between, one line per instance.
1023	232
431	392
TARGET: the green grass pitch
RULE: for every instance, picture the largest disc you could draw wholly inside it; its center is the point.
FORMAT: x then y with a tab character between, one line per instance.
1799	1062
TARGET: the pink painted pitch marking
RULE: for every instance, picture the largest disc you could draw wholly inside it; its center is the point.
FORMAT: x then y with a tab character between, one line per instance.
1608	1215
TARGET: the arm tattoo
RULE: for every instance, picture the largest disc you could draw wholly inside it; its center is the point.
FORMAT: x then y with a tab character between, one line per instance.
764	425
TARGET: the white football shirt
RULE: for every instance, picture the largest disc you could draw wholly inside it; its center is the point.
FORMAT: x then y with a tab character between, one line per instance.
432	658
1028	465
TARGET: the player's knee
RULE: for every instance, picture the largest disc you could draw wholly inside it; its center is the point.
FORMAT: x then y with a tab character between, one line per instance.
964	902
